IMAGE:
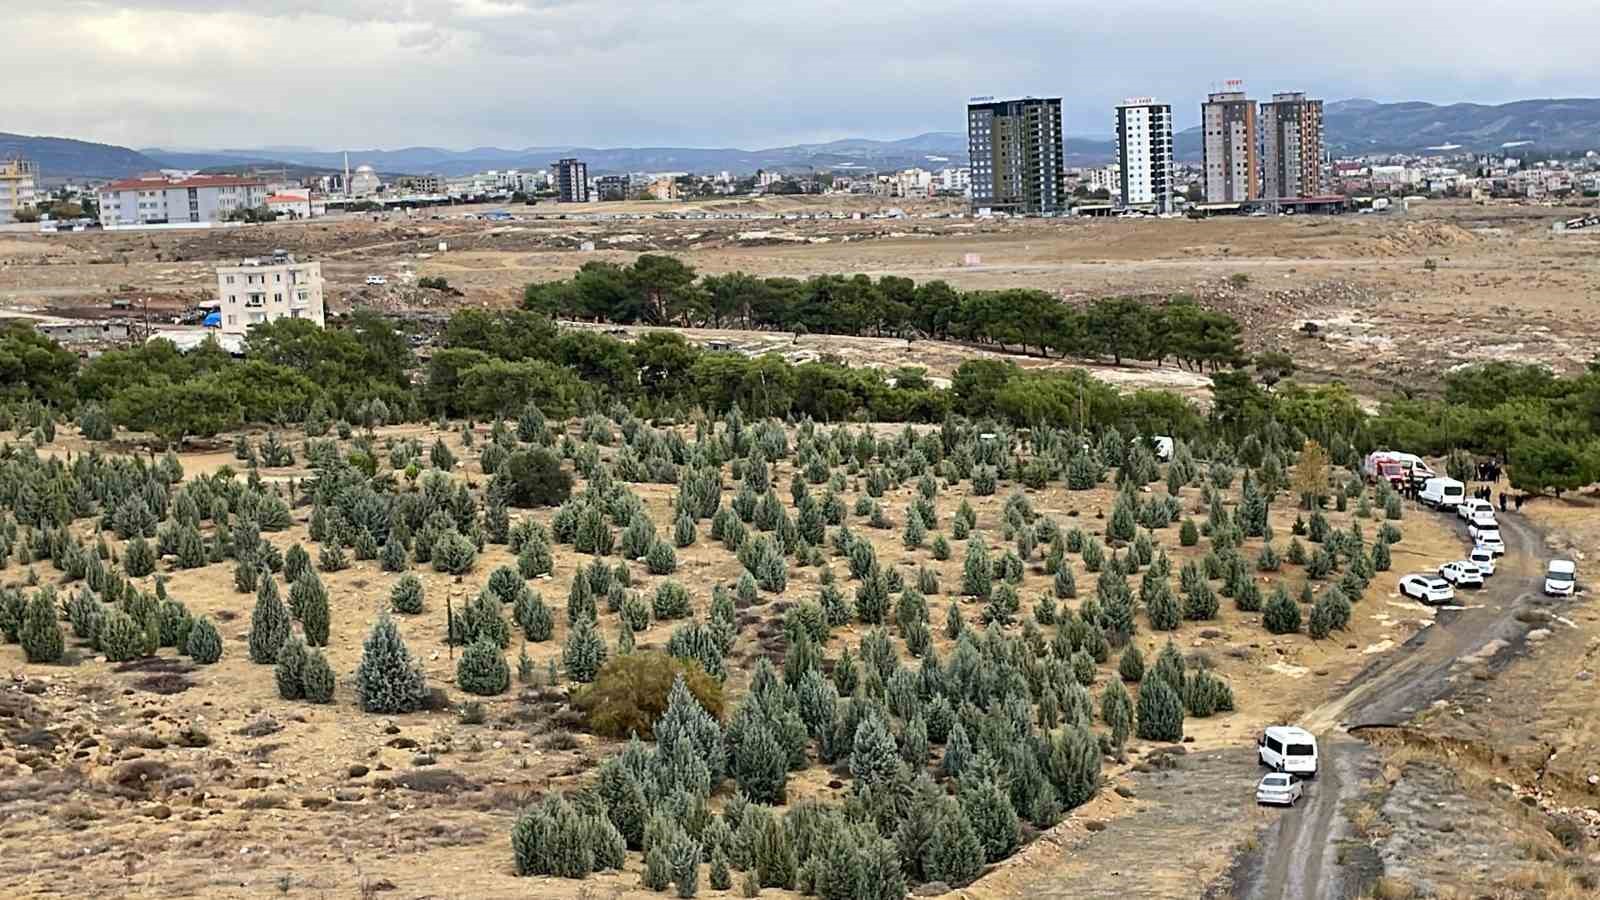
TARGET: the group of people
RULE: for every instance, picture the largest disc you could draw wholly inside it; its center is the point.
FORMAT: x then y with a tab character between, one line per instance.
1487	493
1489	471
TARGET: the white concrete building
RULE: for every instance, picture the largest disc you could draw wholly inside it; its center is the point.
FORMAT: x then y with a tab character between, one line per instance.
160	200
1105	178
17	187
263	290
955	180
1144	151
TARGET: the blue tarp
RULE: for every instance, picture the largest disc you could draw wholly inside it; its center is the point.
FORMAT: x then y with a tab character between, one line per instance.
212	320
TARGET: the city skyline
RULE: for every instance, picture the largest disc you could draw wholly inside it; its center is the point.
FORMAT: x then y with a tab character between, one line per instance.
516	73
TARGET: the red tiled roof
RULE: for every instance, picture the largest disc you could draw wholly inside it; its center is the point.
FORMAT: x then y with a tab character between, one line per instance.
197	181
286	198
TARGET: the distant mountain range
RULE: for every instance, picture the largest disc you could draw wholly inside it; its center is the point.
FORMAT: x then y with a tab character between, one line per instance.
63	158
1352	126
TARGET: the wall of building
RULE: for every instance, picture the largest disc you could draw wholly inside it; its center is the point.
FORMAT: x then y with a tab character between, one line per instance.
254	293
1015	155
17	187
1232	160
1144	151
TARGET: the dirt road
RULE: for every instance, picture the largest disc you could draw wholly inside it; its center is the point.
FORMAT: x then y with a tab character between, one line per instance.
1297	857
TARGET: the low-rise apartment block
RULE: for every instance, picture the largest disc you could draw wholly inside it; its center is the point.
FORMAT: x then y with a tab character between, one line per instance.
159	200
263	290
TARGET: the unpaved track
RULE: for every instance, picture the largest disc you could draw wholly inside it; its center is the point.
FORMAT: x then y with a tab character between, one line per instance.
1296	858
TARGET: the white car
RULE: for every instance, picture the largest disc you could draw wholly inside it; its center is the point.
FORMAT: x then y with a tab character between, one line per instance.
1489	539
1279	788
1461	574
1429	589
1483	559
377	279
1483	518
1466	508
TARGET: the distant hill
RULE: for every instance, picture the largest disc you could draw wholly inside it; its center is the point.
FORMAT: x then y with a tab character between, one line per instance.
1353	127
1557	125
1356	127
63	159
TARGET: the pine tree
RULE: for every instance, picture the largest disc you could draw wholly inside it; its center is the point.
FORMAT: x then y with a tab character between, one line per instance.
295	561
720	878
138	559
1131	666
533	616
684	858
316	678
953	853
1116	710
1281	615
290	668
987	806
957	751
204	644
388	680
40	632
269	624
119	637
874	758
1162	607
584	652
1380	557
1160	712
482	669
392	558
977	573
406	595
311	601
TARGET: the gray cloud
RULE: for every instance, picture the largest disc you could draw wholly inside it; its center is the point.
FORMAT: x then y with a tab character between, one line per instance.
364	73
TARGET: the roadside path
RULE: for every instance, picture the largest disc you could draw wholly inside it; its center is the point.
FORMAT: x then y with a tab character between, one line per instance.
1297	857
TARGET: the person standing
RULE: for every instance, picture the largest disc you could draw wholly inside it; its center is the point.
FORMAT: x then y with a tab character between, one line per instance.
1502	501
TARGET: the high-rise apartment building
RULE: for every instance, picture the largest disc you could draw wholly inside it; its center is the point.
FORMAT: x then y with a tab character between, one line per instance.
1291	147
257	291
1144	154
572	181
1232	158
1015	155
17	187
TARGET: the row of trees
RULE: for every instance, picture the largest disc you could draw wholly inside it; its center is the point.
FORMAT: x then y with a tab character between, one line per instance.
662	290
1544	426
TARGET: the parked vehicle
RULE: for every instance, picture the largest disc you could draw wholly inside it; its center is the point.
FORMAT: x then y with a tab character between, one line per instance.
1483	559
1396	467
1279	788
1461	574
1428	589
1415	467
1468	508
1288	748
377	279
1483	518
1488	538
1561	578
1442	493
1382	464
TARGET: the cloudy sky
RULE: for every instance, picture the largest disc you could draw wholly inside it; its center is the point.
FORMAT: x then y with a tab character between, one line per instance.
336	74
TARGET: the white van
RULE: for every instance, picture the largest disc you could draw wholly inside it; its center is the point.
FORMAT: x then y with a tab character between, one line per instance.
1287	748
1561	579
1442	493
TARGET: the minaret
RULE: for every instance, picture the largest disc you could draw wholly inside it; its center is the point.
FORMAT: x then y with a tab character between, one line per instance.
347	173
